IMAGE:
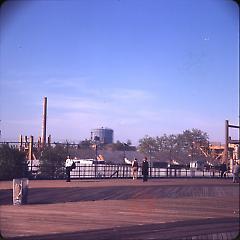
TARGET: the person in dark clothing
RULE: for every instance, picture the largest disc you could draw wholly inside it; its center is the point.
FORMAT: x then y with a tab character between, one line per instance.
223	170
145	167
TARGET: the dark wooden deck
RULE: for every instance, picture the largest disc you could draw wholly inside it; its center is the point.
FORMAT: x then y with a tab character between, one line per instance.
123	209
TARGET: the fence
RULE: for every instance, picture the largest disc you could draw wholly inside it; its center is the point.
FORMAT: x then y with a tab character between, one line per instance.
122	171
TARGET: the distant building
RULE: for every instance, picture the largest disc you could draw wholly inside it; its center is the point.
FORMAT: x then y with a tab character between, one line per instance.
102	135
118	157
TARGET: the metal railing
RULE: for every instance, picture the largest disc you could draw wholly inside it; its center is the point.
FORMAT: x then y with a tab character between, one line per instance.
98	171
125	171
108	171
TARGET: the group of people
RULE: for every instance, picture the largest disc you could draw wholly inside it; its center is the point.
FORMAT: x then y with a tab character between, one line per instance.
70	165
145	167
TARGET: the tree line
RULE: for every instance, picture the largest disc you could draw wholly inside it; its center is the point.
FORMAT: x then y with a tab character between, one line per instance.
188	146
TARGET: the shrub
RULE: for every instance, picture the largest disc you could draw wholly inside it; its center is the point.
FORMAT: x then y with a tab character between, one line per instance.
52	161
12	163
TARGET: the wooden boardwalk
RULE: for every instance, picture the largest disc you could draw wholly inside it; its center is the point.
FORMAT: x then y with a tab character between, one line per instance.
123	209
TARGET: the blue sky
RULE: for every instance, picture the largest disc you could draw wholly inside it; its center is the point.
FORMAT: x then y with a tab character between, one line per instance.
136	66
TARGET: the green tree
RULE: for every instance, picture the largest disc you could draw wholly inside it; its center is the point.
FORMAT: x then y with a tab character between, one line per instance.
12	163
191	142
52	161
167	144
183	147
148	145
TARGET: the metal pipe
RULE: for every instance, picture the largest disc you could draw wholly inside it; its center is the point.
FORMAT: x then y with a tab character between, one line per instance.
226	142
26	142
49	140
44	121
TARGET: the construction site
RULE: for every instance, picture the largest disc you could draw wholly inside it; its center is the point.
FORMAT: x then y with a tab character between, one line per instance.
214	153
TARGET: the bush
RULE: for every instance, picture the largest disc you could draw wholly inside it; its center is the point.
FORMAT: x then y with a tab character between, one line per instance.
12	163
52	161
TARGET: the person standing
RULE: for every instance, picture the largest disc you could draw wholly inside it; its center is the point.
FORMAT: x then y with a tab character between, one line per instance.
223	170
236	170
145	167
68	166
134	168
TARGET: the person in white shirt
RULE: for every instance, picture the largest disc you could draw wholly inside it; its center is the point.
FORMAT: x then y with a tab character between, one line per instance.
134	168
68	166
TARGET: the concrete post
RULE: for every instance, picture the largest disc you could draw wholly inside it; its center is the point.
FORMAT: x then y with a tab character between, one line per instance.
20	191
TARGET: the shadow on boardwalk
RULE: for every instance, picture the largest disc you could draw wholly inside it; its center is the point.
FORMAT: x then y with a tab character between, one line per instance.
77	194
194	229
